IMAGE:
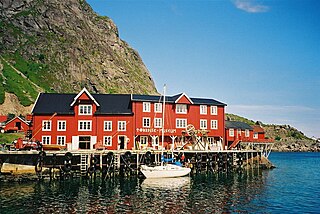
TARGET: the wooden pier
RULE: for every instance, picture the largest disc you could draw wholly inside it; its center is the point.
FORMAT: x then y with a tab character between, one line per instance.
125	163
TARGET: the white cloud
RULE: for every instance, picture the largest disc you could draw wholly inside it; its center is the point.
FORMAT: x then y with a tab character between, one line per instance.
250	6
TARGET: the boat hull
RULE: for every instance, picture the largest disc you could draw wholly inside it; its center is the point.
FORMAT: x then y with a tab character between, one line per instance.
167	171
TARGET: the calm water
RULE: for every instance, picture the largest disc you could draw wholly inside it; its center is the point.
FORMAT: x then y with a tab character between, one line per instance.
293	187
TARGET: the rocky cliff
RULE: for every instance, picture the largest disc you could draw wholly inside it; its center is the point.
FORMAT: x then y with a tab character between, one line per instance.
63	46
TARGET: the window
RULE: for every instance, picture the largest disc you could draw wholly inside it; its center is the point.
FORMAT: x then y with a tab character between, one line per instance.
107	140
62	125
46	125
146	122
214	124
203	124
203	109
146	107
210	140
247	133
46	140
181	108
107	126
122	125
85	110
255	135
239	132
144	140
158	122
231	132
61	140
181	123
84	125
213	110
155	141
158	107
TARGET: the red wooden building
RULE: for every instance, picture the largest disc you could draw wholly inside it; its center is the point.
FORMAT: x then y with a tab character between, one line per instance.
237	132
115	121
17	124
259	134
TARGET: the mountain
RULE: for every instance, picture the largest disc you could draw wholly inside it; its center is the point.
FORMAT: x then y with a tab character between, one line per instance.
286	137
63	46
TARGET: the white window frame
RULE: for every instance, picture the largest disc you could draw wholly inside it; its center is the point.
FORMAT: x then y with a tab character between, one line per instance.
181	123
231	132
46	125
146	106
61	125
107	125
157	122
107	140
203	124
84	125
61	140
239	132
155	141
158	107
144	141
203	109
85	109
247	133
46	140
181	108
214	110
255	136
214	124
146	122
122	125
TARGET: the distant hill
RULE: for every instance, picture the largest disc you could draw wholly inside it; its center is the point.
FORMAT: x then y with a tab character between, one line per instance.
63	46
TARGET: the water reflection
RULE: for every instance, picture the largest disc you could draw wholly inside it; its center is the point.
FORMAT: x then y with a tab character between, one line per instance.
201	193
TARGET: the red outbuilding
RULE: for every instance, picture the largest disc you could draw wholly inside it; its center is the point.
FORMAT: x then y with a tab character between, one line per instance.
237	132
17	124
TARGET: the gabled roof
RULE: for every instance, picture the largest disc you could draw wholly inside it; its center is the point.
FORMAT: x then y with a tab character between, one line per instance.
258	129
50	103
237	125
177	98
17	117
84	90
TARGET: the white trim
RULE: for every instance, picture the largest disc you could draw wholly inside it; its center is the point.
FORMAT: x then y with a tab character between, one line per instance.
216	124
104	140
205	108
104	125
215	111
125	125
85	121
181	105
147	105
87	107
183	122
155	123
49	139
65	129
143	122
159	109
203	122
231	135
183	94
44	127
35	102
65	139
84	90
18	118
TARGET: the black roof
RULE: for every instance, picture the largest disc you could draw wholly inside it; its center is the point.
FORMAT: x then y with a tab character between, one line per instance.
172	99
237	125
49	103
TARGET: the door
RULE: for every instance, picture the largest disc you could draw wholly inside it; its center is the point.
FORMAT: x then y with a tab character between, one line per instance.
84	142
122	142
18	125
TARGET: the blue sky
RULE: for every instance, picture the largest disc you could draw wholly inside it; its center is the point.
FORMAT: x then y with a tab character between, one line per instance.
262	58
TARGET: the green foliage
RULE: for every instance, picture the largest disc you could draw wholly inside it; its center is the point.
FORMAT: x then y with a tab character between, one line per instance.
8	138
2	95
277	138
240	119
18	85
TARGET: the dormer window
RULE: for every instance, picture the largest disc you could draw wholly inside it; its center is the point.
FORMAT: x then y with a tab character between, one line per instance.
85	110
181	108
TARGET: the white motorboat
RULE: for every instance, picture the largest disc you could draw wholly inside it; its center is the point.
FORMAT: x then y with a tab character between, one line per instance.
164	171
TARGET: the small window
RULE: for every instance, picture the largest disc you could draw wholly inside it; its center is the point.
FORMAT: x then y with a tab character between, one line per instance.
107	126
46	140
213	110
181	108
46	125
107	140
158	107
255	135
214	124
155	141
247	133
85	110
181	123
146	122
239	132
62	125
122	125
203	109
158	122
61	140
146	107
231	132
84	125
203	124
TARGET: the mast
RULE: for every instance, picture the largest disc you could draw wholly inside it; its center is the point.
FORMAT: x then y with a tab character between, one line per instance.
163	113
